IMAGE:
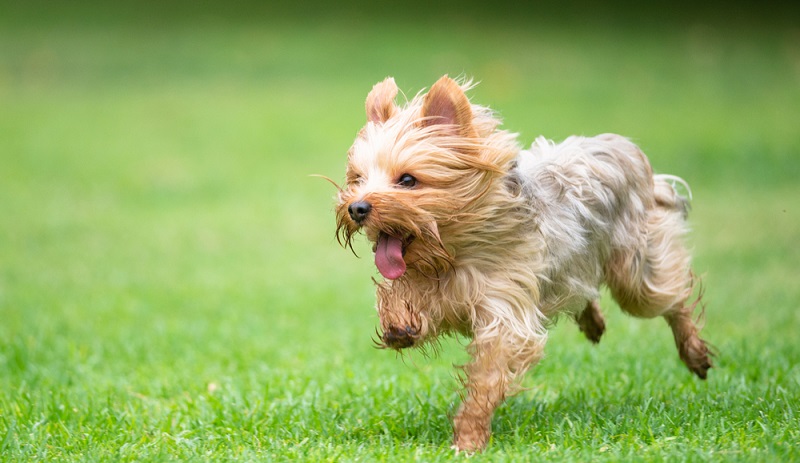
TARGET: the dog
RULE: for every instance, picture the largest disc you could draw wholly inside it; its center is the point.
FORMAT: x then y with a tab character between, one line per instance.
474	235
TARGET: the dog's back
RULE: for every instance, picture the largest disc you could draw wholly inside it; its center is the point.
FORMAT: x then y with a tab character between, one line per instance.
591	196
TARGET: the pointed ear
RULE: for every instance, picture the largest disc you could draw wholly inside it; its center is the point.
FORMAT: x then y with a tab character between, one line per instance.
380	101
447	104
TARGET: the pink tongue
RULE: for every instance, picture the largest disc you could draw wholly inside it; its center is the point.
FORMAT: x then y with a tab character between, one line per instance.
389	257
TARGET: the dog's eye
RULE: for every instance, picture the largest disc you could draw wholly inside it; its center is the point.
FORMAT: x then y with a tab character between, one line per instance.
407	181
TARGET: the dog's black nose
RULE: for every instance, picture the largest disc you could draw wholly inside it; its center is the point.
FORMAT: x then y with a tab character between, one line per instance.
359	210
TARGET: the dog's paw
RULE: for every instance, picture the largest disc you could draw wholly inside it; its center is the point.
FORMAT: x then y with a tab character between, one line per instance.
470	442
695	353
400	338
471	433
591	322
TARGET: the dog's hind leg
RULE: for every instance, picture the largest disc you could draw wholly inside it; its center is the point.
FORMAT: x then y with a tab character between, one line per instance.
656	279
591	321
691	348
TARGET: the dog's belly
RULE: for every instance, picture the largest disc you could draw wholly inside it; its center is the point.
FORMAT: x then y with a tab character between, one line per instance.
557	298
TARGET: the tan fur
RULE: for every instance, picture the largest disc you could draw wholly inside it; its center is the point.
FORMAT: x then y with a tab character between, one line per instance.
380	101
498	241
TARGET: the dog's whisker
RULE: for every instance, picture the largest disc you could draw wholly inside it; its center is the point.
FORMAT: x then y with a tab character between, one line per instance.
329	180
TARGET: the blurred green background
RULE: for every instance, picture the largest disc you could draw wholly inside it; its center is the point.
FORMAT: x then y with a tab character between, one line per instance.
170	285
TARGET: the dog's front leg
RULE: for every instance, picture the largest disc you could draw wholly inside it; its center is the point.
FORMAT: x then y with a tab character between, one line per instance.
486	384
495	365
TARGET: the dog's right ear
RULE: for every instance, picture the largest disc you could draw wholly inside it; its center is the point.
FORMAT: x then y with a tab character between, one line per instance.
380	101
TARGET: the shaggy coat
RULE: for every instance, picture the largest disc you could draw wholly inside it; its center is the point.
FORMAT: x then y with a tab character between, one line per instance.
477	236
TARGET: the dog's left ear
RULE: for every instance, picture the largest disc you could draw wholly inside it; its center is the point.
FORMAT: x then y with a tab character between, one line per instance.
446	104
380	101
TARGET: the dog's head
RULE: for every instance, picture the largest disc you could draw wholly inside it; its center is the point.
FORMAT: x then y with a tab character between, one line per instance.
415	173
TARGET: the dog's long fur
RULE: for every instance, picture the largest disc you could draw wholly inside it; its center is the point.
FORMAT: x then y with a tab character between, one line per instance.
497	241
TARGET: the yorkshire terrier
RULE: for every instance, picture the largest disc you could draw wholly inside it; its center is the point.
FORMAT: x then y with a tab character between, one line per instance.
474	235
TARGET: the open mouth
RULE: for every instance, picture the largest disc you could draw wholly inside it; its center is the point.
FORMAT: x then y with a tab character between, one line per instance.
389	252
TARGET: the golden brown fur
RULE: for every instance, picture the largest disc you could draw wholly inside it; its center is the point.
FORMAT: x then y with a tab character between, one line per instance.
475	235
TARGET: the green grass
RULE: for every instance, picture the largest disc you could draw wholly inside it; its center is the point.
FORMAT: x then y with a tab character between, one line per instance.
170	285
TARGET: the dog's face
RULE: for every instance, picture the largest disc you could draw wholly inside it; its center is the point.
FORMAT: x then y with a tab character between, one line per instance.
411	172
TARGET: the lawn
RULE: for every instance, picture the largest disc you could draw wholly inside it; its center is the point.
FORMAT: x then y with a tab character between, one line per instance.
170	283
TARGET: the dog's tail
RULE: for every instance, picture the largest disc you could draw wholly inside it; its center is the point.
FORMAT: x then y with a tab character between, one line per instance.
667	194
